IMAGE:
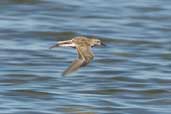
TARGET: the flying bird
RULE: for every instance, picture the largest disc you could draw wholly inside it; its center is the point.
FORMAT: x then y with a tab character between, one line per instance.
83	46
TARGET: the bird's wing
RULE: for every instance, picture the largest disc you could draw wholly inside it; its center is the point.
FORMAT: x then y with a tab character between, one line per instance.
84	52
74	66
85	56
67	43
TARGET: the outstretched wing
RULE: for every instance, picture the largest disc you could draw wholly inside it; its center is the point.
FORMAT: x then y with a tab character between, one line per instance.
67	43
85	56
74	66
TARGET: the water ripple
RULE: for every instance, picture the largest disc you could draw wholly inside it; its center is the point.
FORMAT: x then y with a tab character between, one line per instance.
131	74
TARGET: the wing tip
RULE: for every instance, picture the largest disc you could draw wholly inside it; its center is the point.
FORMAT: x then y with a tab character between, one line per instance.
56	45
73	67
65	73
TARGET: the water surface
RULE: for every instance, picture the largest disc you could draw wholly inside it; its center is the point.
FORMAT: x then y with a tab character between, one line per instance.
131	75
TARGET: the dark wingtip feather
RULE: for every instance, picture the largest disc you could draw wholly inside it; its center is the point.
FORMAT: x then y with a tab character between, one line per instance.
56	45
65	73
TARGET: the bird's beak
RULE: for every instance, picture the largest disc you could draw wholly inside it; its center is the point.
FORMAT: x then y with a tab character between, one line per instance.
56	45
103	44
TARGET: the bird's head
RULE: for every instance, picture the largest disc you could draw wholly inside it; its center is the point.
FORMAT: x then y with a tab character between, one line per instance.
97	42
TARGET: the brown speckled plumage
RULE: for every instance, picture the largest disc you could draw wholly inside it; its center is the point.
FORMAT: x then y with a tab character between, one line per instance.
83	46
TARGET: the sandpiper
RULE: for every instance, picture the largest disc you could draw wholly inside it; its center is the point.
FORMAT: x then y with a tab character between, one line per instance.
83	46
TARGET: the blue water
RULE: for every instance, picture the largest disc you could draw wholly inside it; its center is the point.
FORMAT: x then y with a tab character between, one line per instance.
131	75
